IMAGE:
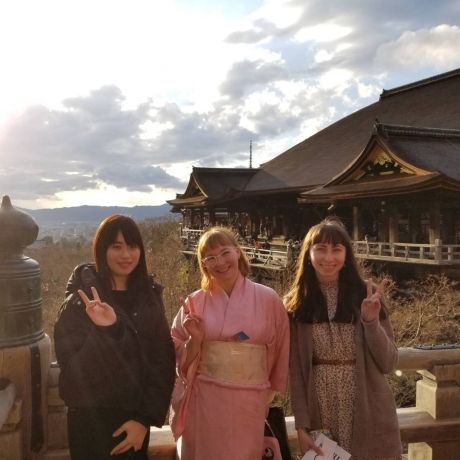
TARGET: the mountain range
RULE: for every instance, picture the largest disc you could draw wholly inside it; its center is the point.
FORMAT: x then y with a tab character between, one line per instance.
94	214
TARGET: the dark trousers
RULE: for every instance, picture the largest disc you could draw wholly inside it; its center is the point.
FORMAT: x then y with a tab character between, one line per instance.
90	434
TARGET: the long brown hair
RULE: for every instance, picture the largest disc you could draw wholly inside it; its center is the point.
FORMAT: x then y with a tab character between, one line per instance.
106	234
305	300
211	238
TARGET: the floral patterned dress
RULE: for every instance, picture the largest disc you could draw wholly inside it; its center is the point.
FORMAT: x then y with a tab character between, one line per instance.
335	383
334	372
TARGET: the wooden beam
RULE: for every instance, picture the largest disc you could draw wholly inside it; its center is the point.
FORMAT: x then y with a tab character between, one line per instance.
419	426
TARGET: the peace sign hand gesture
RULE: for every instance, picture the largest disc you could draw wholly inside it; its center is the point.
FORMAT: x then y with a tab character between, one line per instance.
371	305
100	313
193	323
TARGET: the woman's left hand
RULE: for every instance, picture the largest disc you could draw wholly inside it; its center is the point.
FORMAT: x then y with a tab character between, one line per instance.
371	305
135	435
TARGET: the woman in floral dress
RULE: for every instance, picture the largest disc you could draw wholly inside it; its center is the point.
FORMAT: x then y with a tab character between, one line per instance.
342	346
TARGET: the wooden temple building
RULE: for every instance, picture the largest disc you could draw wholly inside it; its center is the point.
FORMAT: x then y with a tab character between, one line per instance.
390	171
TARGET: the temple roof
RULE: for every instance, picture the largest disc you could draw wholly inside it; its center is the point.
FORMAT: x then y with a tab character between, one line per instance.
394	186
433	102
397	159
211	185
407	141
432	149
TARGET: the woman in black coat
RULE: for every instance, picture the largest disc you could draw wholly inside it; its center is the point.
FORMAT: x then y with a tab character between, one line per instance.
114	349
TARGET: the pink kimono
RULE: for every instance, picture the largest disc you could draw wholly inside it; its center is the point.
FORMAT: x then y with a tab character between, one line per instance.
214	419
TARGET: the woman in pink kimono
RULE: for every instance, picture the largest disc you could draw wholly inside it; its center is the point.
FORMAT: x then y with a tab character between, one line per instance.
232	342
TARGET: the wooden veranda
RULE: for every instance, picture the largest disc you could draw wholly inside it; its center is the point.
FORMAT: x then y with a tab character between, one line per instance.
280	256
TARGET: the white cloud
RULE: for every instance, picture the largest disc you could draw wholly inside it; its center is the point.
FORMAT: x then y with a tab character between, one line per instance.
365	90
438	46
323	56
118	99
326	32
281	13
337	79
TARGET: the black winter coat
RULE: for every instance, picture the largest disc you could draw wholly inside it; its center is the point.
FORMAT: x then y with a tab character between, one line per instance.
129	366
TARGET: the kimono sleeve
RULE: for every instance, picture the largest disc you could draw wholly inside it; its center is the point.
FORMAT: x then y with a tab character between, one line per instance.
180	338
280	364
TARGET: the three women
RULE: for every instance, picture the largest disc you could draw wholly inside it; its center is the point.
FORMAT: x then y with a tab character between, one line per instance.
231	339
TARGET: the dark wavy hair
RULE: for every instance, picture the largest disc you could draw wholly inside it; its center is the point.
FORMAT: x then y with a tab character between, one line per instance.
305	301
106	234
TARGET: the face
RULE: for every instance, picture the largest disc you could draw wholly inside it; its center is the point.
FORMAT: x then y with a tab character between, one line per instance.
122	259
221	263
327	260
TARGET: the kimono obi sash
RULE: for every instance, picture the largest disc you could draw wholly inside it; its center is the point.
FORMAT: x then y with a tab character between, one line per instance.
234	362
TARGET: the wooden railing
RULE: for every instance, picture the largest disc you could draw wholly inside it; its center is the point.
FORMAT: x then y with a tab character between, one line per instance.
281	257
431	428
274	259
433	254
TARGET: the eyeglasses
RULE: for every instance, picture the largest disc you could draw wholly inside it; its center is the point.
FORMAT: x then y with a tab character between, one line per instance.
226	255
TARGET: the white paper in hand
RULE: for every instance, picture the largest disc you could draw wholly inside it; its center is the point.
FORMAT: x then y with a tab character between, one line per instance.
331	450
326	444
340	454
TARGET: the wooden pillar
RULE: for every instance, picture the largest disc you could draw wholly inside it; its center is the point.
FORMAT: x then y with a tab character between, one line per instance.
357	233
16	364
192	218
285	225
435	222
414	226
212	217
57	413
11	435
438	393
448	227
383	224
255	227
392	224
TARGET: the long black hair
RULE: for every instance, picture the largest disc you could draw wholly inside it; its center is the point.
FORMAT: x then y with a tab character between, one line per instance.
305	301
106	234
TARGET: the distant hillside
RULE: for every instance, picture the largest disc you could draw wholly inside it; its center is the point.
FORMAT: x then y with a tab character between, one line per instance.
94	214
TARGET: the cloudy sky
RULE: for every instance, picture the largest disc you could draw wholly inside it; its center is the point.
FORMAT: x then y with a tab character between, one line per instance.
111	102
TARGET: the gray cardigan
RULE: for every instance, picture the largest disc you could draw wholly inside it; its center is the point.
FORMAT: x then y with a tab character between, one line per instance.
375	423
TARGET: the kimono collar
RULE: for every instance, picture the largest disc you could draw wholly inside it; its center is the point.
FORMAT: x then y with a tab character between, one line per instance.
239	283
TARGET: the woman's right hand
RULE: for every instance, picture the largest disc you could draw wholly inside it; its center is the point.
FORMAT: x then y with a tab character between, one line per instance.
100	313
306	442
193	323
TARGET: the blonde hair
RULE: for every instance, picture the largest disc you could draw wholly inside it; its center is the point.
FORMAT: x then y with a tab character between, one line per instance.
211	238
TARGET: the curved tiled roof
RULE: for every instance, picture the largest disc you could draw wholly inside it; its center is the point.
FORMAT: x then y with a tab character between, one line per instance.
394	186
432	155
432	102
429	149
210	185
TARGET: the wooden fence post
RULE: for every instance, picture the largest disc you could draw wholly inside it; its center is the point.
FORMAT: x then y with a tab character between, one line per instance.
438	393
